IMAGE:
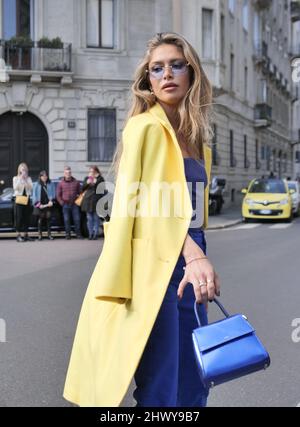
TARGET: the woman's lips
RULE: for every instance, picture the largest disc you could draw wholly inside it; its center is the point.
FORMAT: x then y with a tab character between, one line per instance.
170	88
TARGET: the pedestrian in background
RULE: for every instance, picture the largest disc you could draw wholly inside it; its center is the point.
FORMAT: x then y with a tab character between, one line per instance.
67	191
91	198
22	185
42	198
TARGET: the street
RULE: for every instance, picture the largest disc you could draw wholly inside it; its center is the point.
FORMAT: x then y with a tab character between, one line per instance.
43	283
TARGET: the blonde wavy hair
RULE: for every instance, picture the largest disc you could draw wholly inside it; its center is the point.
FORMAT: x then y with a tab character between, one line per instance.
22	166
194	111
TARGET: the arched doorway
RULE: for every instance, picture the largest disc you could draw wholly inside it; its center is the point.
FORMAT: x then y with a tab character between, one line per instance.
23	138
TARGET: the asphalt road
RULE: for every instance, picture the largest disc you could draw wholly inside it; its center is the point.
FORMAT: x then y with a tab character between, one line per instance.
42	285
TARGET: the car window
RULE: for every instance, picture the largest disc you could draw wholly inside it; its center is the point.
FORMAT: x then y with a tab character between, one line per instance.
292	186
267	186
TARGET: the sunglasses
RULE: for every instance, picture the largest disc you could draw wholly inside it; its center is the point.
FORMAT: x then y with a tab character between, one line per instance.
178	67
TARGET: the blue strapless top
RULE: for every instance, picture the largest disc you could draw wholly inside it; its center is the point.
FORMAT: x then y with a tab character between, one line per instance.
195	173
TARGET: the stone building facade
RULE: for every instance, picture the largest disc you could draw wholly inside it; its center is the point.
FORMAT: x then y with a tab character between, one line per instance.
67	104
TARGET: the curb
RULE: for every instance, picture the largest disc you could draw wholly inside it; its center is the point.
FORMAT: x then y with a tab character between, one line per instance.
220	227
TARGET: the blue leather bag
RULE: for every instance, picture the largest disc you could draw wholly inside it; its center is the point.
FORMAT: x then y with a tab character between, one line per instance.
227	349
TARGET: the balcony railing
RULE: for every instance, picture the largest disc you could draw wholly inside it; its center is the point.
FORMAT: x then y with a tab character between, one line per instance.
295	11
262	4
262	114
36	58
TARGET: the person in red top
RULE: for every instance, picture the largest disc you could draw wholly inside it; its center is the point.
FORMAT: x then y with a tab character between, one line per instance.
67	191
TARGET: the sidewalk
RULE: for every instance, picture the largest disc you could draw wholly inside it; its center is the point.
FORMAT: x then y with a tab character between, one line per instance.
227	218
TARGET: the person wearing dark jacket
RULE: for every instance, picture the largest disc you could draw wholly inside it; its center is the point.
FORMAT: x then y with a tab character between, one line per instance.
90	200
42	198
67	191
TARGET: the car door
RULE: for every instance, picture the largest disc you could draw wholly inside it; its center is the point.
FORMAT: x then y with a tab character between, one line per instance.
6	210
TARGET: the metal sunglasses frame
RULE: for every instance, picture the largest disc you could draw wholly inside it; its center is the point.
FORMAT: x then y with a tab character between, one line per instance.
187	64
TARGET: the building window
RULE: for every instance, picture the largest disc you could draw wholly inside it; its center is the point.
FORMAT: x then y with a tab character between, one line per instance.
231	6
268	154
231	71
257	162
101	134
257	31
274	161
222	35
17	16
284	162
245	152
231	152
207	33
263	152
245	15
214	147
246	83
262	92
100	23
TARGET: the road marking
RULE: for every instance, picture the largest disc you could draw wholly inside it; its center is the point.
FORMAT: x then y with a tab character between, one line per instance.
245	227
277	226
280	226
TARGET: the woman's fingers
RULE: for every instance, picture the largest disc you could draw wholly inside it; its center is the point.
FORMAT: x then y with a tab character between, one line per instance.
217	285
181	287
210	288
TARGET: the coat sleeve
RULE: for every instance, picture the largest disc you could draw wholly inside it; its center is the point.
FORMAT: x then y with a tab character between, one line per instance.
35	193
112	275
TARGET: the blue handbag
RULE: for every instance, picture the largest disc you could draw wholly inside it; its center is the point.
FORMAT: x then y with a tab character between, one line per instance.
227	349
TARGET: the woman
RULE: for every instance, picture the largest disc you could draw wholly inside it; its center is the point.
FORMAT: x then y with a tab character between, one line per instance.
91	197
22	185
43	196
137	316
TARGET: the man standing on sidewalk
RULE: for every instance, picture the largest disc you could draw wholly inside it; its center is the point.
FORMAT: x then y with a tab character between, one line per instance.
67	191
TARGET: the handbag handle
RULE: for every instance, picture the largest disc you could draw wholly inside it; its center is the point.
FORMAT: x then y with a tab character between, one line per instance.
221	307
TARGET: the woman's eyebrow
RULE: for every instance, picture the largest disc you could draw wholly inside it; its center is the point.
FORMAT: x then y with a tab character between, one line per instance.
171	60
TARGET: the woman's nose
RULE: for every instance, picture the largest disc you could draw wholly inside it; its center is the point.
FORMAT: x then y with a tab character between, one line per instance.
168	72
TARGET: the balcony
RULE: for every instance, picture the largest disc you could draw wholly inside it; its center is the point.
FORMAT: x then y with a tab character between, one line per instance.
260	55
295	11
262	115
36	62
262	4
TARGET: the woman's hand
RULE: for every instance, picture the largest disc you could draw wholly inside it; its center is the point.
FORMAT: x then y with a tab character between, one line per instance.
201	274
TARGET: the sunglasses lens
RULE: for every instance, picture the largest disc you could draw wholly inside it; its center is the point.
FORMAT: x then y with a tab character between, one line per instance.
179	67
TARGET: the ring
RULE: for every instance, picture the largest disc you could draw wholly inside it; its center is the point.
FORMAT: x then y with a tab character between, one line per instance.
201	283
210	281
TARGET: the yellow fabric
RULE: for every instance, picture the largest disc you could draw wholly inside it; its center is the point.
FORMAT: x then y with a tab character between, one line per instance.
131	276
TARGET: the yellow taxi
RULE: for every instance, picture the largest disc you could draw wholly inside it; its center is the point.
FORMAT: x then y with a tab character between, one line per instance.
268	198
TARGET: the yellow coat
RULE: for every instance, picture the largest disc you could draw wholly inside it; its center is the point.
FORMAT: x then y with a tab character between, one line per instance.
131	276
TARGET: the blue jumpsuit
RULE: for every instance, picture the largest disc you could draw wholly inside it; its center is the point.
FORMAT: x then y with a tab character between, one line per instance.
167	374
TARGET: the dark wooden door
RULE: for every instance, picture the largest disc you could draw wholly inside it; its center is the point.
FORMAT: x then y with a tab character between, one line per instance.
23	138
